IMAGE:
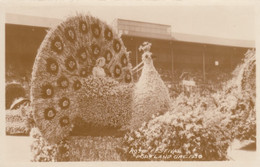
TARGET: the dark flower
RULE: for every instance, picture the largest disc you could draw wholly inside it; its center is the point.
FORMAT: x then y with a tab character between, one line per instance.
70	64
124	60
63	150
108	56
64	121
77	85
49	113
63	82
95	30
117	71
83	27
107	72
128	77
82	54
70	34
84	72
116	45
47	91
95	49
64	103
52	66
57	45
108	34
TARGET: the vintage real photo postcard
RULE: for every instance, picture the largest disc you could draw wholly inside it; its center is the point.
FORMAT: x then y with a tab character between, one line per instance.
129	81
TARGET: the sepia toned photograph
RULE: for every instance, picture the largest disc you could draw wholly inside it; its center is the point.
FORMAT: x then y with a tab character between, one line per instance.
129	82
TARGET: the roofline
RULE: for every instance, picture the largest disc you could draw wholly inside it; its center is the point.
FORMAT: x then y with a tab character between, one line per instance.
213	40
186	41
27	20
144	22
50	22
136	36
216	44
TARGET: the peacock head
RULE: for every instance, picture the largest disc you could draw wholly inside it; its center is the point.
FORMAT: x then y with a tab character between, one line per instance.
147	58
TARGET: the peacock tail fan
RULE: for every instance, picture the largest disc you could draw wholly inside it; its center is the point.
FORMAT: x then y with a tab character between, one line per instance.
64	62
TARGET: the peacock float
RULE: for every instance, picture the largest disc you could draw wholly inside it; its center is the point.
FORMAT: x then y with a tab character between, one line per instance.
83	70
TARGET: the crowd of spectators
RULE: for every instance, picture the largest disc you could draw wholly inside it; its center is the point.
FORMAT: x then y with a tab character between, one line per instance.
214	79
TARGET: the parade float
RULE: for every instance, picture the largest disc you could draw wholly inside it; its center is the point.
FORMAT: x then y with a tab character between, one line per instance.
86	106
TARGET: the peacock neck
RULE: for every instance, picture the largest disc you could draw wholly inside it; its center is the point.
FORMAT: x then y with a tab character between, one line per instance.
149	67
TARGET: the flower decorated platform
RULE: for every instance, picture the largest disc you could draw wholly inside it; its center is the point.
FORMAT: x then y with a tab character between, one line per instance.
83	114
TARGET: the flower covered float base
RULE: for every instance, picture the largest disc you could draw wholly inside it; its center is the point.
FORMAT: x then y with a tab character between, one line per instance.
76	148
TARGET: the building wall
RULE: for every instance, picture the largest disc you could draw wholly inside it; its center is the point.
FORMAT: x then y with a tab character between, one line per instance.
178	55
22	43
143	29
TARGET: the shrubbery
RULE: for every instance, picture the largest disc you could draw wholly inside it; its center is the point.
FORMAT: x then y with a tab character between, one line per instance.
40	149
241	108
188	132
200	125
239	97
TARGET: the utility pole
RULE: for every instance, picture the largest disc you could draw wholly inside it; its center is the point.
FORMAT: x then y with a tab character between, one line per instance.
136	58
171	49
231	58
203	59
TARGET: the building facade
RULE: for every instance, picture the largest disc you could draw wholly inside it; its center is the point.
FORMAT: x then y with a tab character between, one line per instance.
173	51
182	52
